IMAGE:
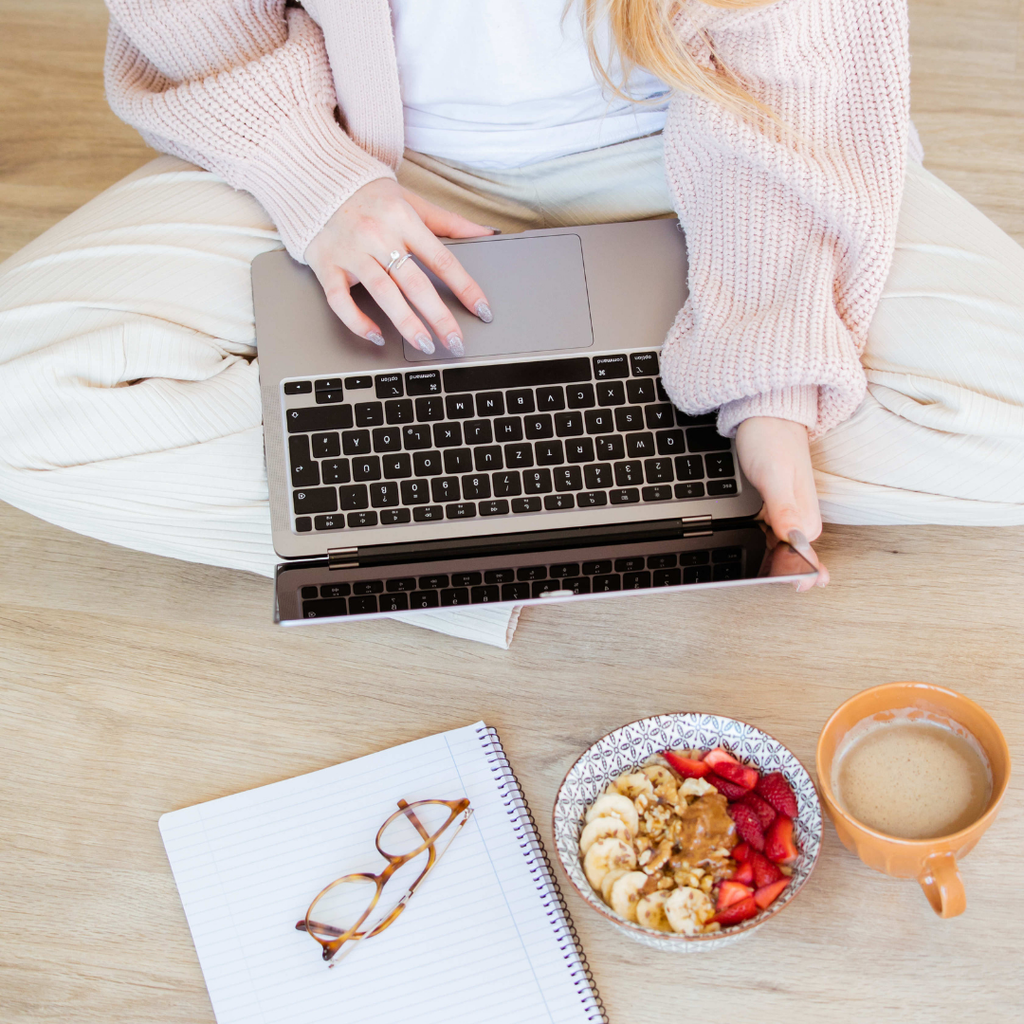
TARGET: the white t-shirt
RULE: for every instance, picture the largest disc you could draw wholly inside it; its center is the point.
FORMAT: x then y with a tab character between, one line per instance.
497	84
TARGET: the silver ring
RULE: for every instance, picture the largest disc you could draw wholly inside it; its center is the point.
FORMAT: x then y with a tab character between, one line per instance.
397	259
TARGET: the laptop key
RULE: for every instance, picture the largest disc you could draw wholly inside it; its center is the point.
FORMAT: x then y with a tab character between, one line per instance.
428	513
366	468
629	564
424	599
694	557
389	385
460	407
706	439
329	522
387	439
394	516
628	473
357	519
365	587
670	442
336	471
525	505
423	382
591	499
733	554
697	574
445	488
394	603
599	421
515	592
358	383
303	525
690	490
447	435
508	429
476	487
488	458
579	450
478	432
606	367
532	572
396	467
332	590
430	409
298	387
484	595
555	502
497	507
415	492
597	568
399	411
329	397
578	585
321	499
636	580
568	478
538	426
660	493
720	465
304	421
362	605
609	447
466	579
549	453
726	571
667	578
658	471
689	467
550	399
324	609
568	424
537	481
644	364
354	496
433	582
458	460
639	446
404	584
490	403
500	576
355	442
606	584
519	455
305	472
506	485
599	475
611	393
580	396
629	417
661	561
328	384
369	414
520	401
560	571
416	437
461	510
326	446
516	375
546	587
722	488
624	496
640	392
659	417
455	596
427	463
384	495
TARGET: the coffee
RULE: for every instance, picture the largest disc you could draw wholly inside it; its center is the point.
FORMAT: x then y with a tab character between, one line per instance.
911	778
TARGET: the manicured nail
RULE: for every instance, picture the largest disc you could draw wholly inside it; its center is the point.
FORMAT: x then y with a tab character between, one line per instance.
800	543
495	231
375	337
484	312
424	344
455	346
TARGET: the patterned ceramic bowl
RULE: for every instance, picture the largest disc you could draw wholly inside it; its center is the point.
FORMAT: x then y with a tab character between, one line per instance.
625	750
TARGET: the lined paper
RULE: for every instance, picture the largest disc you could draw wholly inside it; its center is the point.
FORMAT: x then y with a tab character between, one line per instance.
476	943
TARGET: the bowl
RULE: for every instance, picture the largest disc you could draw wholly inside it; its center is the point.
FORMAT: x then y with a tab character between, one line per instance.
626	750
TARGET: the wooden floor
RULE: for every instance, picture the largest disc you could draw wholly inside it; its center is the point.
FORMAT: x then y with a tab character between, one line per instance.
131	685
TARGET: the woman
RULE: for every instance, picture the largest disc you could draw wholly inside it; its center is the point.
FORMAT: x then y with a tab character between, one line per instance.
363	128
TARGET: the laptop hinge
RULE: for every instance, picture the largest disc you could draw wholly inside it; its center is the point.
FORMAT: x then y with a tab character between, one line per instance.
342	558
697	526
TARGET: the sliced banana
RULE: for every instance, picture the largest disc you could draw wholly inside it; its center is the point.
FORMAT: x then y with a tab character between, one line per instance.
605	855
624	893
659	775
696	787
650	911
601	828
633	785
609	880
617	805
687	909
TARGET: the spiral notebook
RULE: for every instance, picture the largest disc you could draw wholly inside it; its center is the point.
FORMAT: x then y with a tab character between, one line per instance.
486	938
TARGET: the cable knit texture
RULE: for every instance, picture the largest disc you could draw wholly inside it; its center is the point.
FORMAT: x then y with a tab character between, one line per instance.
789	239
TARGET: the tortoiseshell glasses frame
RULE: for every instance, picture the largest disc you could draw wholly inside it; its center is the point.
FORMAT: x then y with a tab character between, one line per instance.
331	938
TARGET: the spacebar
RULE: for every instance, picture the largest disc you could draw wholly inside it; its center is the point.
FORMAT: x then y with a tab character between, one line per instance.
516	375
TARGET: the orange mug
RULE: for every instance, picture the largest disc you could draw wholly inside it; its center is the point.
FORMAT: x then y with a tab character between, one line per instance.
933	862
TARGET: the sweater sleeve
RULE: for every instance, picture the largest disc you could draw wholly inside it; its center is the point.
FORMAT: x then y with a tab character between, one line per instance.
244	89
789	238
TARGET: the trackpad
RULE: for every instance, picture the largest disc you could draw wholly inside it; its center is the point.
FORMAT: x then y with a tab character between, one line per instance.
537	291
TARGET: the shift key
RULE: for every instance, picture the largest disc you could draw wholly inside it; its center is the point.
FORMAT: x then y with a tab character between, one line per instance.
315	499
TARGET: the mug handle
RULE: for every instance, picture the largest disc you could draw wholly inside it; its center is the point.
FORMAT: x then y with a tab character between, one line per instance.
940	879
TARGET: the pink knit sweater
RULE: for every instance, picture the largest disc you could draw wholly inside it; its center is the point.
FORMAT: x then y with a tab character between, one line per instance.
789	243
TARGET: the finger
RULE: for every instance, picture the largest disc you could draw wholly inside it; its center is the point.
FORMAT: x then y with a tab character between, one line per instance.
423	295
389	297
441	261
339	298
443	222
787	519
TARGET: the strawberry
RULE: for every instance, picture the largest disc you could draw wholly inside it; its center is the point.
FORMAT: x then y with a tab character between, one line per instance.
728	789
767	893
745	873
741	852
716	756
686	766
732	892
741	911
748	827
779	845
763	870
764	810
778	792
738	773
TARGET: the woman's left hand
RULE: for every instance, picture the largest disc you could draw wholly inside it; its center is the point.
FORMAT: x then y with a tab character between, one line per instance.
776	458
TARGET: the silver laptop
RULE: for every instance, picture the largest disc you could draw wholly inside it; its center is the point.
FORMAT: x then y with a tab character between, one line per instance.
546	464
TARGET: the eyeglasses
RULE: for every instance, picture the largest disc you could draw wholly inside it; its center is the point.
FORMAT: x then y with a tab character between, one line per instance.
412	841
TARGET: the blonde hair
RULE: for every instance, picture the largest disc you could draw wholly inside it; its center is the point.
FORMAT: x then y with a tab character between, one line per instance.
643	35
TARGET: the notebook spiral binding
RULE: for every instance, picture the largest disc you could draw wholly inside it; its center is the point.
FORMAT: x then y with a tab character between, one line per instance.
525	827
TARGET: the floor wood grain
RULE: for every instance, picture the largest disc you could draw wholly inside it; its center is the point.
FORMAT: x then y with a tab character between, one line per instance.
131	685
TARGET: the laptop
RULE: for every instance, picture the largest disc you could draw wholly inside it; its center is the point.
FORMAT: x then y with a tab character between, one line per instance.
547	464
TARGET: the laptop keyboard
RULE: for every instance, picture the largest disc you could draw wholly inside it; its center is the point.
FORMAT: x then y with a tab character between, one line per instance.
506	439
369	596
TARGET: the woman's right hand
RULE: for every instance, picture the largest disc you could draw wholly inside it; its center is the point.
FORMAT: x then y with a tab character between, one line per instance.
355	245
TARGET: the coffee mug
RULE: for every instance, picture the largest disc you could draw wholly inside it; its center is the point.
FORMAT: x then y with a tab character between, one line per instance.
933	862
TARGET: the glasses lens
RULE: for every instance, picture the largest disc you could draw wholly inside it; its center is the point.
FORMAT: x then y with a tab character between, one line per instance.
402	836
338	909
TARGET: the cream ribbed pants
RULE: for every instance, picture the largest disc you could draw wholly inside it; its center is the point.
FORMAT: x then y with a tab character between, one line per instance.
130	408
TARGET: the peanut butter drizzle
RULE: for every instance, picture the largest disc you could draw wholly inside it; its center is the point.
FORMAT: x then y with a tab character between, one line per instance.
704	827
